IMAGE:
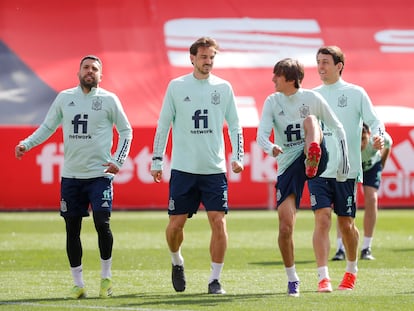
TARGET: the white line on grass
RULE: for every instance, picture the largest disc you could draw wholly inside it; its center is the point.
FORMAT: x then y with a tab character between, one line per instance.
83	307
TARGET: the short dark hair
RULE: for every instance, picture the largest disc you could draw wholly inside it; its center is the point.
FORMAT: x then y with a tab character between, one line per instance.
291	69
90	56
203	42
337	54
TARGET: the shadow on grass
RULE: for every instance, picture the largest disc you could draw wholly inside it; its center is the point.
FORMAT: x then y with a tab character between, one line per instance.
404	250
181	301
279	263
201	299
148	300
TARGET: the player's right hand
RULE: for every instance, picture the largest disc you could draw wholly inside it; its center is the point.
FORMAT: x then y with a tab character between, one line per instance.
157	175
19	151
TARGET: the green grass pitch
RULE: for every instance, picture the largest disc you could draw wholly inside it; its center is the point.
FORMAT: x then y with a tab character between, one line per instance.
35	275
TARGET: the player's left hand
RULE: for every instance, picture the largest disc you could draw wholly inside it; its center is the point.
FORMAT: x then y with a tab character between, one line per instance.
111	168
236	167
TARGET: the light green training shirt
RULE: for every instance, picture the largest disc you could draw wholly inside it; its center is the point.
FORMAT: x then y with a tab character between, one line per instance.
87	122
352	106
285	114
197	110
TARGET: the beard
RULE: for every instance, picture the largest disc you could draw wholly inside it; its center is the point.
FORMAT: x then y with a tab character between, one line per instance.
88	84
205	70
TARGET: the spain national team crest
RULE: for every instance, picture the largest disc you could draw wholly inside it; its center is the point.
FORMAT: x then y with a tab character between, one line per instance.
63	206
215	98
342	101
304	111
97	104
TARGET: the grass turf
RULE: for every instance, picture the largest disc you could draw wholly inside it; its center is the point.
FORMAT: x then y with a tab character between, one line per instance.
34	271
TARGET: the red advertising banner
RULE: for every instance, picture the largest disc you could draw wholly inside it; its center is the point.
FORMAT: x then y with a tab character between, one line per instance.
33	182
144	44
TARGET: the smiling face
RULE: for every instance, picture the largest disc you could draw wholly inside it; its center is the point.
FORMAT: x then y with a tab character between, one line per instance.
329	72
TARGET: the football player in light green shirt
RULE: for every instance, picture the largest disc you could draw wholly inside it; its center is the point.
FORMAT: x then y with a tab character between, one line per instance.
87	114
373	162
196	106
352	106
294	114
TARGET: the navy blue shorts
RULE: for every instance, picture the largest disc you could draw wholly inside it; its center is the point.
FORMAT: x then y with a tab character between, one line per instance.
188	190
78	194
327	192
294	177
372	177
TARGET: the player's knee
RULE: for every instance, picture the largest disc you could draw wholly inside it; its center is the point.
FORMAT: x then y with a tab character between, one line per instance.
102	222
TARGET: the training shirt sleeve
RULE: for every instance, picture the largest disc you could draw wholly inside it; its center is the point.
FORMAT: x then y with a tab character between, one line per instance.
51	122
235	130
265	128
329	119
370	117
124	130
162	132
